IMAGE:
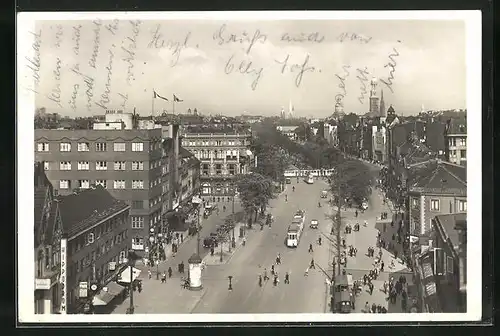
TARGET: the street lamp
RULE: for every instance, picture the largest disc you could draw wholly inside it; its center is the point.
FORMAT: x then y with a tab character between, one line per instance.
131	260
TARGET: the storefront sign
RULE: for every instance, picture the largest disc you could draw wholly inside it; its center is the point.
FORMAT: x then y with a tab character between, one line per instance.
84	289
63	276
42	284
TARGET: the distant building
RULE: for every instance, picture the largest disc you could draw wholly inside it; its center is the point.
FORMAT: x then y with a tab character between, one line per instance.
223	153
289	131
330	133
379	140
455	141
374	99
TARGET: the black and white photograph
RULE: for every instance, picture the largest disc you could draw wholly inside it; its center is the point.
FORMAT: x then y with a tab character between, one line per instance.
249	166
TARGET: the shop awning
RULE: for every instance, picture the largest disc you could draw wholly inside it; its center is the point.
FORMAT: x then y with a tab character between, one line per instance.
125	275
107	294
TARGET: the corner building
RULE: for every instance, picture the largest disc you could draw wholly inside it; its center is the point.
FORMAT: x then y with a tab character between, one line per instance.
223	154
132	164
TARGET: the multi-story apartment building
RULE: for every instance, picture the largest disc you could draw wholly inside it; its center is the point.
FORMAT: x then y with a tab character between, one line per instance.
189	174
289	131
132	164
48	233
93	249
438	188
455	142
223	153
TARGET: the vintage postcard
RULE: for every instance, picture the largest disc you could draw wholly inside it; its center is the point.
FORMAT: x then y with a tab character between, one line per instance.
249	166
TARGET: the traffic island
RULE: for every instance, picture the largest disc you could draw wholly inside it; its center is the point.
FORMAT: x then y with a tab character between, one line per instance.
228	249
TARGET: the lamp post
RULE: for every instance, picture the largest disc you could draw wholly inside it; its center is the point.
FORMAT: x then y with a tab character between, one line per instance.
131	259
198	231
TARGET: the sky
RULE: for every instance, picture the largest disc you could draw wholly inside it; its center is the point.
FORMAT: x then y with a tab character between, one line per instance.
87	67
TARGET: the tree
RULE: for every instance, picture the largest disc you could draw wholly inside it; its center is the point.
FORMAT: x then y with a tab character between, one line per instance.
255	192
304	132
353	181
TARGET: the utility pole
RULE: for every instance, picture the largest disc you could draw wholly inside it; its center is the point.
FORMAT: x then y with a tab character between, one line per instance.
339	215
198	231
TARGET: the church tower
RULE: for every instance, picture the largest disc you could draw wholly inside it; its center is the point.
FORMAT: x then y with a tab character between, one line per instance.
374	100
382	104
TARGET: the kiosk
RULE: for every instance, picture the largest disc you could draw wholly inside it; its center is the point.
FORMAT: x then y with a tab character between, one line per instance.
195	265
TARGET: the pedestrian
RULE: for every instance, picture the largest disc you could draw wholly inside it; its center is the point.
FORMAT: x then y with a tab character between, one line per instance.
374	308
385	287
370	285
163	278
365	280
169	272
177	235
395	254
149	274
367	307
287	278
306	273
382	266
356	213
392	264
310	248
182	238
312	264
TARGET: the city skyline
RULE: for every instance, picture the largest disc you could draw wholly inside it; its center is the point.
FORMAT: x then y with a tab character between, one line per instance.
199	62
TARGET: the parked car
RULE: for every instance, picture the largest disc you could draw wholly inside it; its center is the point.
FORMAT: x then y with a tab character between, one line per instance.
314	224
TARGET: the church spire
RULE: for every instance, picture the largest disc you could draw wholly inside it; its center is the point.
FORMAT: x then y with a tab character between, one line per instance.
382	104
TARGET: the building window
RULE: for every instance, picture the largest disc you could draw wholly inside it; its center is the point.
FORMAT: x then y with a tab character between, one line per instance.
102	183
119	165
83	147
449	264
65	147
43	147
65	165
101	147
434	205
83	184
218	169
414	202
83	165
90	238
205	169
137	241
462	206
101	165
137	165
137	204
232	169
137	146
137	184
46	165
463	142
137	222
119	146
463	153
453	142
119	184
453	153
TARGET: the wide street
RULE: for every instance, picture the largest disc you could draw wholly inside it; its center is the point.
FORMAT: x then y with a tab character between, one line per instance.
303	294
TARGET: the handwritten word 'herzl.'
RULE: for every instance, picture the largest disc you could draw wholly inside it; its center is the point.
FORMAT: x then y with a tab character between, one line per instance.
130	50
244	68
339	98
300	68
392	66
34	63
362	77
222	37
176	47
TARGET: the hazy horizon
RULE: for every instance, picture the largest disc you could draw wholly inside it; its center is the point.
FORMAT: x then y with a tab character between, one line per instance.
86	67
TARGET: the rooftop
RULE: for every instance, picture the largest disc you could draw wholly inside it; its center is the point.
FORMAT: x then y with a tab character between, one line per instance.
456	126
448	223
83	209
216	129
440	175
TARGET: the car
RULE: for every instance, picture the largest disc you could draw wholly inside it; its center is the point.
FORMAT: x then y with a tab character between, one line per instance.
314	224
324	194
208	242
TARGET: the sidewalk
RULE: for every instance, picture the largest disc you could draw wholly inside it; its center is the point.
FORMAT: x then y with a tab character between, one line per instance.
162	298
226	254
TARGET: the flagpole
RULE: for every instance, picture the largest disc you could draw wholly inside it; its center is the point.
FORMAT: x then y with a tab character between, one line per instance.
153	103
173	105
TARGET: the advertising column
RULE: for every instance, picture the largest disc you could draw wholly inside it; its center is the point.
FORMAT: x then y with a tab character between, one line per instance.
62	280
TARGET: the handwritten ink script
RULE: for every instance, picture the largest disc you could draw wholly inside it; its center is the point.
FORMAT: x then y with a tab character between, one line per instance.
392	68
98	64
339	98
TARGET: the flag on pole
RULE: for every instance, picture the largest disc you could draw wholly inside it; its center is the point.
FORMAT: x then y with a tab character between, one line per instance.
156	95
176	99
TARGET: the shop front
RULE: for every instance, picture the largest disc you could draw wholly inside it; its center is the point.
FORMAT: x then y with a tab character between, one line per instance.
47	295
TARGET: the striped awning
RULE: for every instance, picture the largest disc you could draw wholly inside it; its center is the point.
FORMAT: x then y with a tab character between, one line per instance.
107	293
